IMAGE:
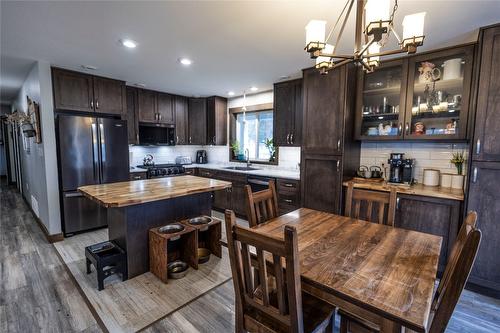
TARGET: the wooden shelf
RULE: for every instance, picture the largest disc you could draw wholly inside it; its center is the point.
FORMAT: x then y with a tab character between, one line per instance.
440	85
376	117
396	90
434	115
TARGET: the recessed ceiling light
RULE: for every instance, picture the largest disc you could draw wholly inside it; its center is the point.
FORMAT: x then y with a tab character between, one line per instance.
128	43
254	88
185	61
230	93
89	67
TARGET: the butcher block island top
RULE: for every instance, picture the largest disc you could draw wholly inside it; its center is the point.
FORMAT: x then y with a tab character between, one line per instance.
142	191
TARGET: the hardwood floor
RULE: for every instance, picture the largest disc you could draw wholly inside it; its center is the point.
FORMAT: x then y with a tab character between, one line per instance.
38	295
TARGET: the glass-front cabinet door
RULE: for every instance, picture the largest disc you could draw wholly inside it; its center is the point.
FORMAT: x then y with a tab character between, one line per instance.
438	92
380	102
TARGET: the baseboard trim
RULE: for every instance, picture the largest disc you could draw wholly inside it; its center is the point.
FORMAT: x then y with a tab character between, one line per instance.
50	238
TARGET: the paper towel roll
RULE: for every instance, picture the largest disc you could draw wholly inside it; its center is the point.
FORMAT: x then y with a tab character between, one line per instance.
431	177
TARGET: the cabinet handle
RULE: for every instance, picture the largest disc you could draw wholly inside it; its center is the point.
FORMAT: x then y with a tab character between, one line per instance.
478	146
92	104
137	177
397	203
400	129
338	166
214	139
137	138
177	139
287	200
407	129
189	139
338	144
474	175
288	139
291	138
97	104
288	185
159	116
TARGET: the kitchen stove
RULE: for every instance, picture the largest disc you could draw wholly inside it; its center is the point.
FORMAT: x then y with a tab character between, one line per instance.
163	170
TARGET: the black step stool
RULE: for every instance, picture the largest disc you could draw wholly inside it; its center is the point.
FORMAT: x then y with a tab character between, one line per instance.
107	258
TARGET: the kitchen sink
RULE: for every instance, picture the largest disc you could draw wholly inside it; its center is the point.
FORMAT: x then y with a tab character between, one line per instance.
241	168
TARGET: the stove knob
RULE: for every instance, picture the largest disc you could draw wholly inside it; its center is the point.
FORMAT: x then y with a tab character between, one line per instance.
163	172
152	172
175	170
169	171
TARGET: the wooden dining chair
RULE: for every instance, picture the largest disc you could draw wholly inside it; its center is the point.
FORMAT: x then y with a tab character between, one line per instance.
449	289
371	205
261	205
284	308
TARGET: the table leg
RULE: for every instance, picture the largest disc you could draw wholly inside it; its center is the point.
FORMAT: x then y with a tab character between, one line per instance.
389	326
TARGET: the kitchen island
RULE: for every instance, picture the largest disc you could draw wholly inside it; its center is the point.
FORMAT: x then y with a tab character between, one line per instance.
134	207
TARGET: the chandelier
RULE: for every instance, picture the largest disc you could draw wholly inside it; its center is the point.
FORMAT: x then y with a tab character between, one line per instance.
374	24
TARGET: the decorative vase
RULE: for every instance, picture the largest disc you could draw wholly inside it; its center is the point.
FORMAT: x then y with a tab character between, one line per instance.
457	182
459	168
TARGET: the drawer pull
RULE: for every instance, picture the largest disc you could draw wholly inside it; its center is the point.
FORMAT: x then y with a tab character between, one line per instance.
287	200
474	175
288	185
137	177
478	146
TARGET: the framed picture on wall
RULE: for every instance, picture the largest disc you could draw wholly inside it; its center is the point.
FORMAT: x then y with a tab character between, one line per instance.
34	114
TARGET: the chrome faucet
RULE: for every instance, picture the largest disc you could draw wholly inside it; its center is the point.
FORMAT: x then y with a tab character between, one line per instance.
247	155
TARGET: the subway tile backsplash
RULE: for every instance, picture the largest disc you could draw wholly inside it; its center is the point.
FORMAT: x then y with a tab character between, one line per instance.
289	157
426	155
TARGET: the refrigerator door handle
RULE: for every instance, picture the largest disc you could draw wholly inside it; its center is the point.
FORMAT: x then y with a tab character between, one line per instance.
95	152
102	142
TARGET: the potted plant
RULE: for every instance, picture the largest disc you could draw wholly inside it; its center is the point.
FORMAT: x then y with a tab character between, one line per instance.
458	159
268	142
235	147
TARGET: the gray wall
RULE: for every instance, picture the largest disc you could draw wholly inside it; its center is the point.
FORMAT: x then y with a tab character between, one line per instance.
4	109
38	161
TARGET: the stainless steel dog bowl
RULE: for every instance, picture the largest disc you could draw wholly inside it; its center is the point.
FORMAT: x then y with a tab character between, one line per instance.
203	255
171	228
177	269
201	220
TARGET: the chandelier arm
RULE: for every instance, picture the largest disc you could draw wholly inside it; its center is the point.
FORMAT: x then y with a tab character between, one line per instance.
338	56
339	36
386	53
338	20
340	63
365	47
360	7
365	65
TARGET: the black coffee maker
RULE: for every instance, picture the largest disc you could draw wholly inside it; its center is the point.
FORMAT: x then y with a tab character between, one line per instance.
201	157
401	169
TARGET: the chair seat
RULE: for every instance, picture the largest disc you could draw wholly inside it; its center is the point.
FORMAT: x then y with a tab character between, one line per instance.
317	315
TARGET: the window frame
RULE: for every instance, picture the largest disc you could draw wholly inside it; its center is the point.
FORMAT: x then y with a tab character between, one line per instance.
233	113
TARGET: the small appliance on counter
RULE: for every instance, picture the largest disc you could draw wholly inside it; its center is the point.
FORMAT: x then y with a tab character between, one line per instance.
183	160
201	157
401	169
148	160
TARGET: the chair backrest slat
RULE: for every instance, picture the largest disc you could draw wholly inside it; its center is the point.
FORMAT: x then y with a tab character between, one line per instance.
285	310
261	205
458	270
357	199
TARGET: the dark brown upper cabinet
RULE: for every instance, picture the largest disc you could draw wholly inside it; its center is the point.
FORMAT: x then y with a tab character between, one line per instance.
324	105
287	127
216	121
165	108
422	97
109	95
74	91
181	120
132	114
380	103
146	102
197	121
487	135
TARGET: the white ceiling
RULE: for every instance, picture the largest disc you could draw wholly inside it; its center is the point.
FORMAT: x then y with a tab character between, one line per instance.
233	45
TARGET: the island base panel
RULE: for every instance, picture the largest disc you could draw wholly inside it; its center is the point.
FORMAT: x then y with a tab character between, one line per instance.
129	226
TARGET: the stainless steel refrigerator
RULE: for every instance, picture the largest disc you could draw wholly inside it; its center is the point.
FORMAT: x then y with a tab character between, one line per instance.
90	151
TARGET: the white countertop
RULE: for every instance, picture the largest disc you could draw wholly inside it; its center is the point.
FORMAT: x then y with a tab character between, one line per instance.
263	170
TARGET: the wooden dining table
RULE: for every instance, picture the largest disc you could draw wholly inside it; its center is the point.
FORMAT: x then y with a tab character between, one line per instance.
383	274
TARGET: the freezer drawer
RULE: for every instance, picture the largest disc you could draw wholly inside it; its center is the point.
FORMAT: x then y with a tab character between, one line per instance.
81	213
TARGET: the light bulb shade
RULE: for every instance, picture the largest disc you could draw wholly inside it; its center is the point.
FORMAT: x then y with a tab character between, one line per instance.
377	16
322	61
315	35
413	29
371	61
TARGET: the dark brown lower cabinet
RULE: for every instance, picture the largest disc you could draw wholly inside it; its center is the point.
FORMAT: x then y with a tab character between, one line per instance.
321	182
435	216
484	198
288	191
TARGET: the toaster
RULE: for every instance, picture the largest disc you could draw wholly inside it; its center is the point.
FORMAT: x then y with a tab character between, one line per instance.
183	160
